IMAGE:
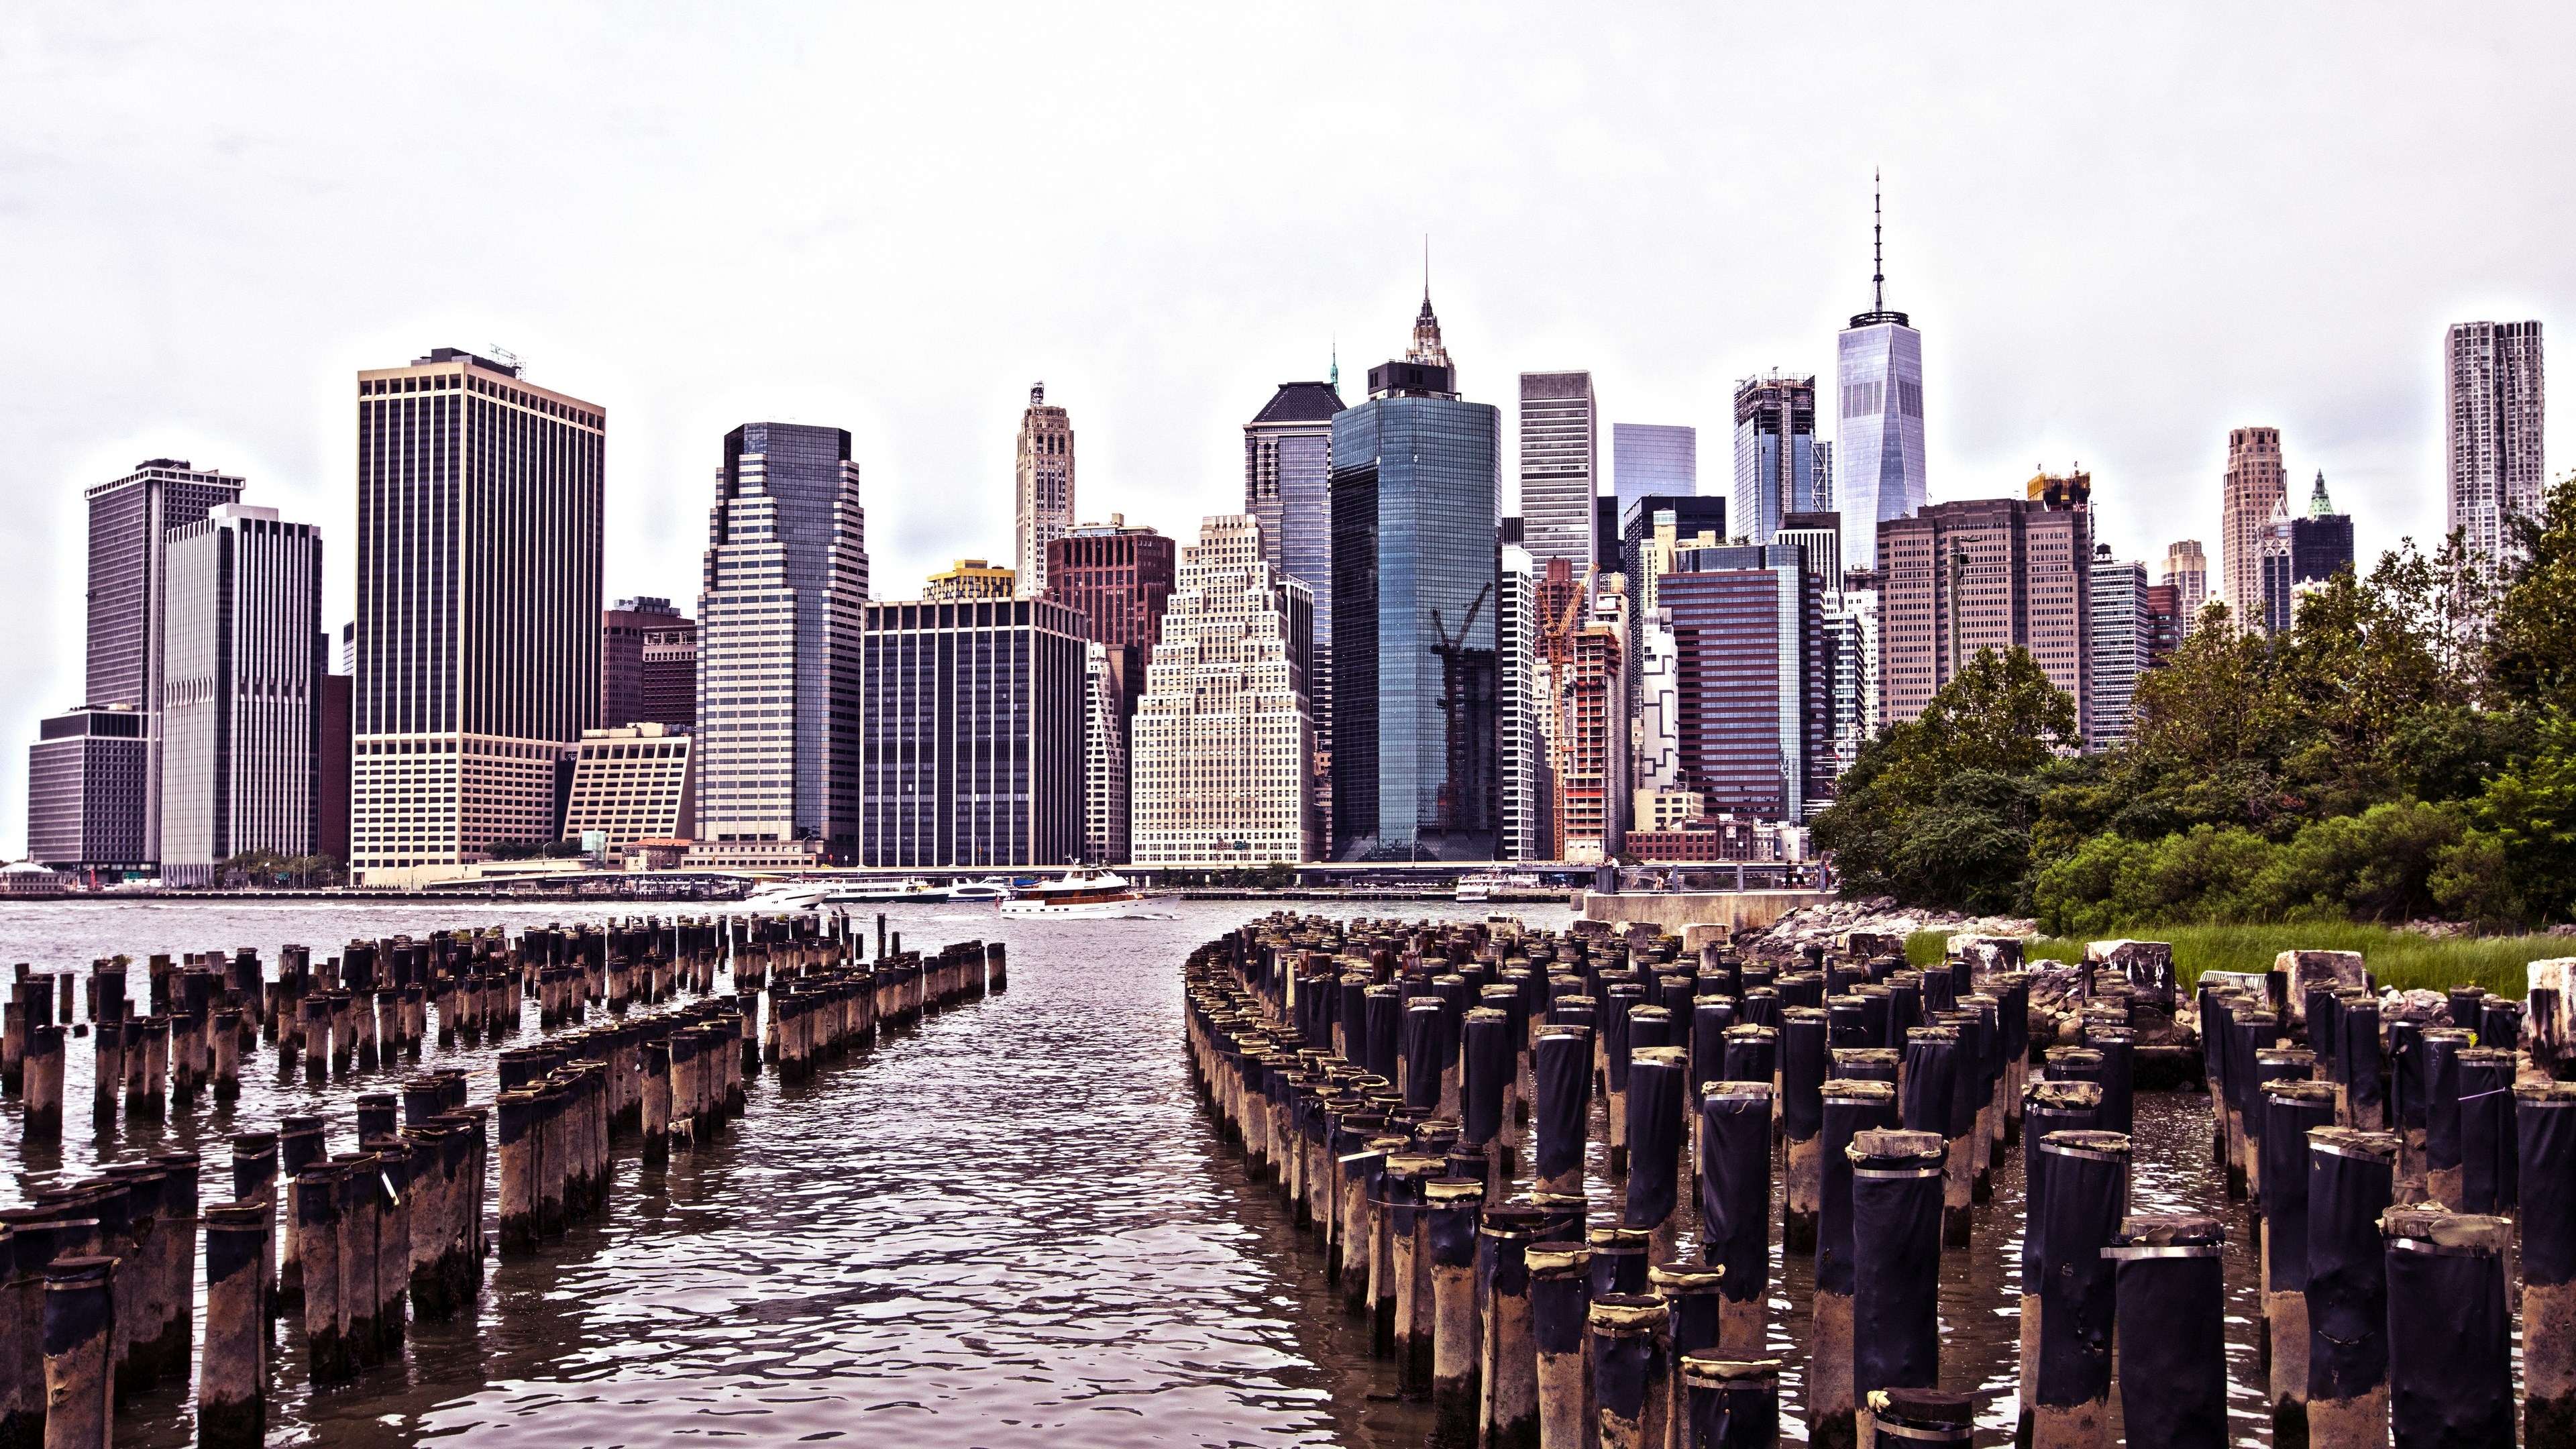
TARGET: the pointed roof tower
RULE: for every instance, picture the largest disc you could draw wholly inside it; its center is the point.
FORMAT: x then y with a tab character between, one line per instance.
1426	347
2319	505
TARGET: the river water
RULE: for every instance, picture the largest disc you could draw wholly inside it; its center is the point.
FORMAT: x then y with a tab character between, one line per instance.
1010	1224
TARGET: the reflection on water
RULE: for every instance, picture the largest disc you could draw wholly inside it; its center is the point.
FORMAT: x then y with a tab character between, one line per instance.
1008	1224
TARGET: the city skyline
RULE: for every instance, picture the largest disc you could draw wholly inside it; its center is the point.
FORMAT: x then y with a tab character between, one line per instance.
964	291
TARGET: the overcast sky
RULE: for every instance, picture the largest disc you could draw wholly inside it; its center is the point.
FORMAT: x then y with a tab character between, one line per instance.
2118	238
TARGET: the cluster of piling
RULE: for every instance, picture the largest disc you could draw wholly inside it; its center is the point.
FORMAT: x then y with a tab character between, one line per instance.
1421	1096
97	1277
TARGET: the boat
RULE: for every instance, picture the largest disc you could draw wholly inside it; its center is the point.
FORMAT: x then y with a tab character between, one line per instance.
1483	885
976	892
886	892
786	895
1084	893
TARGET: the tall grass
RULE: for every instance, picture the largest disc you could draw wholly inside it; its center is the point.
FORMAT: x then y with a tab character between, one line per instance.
2396	958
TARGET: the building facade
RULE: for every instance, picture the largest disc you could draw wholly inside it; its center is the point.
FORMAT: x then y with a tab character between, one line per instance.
648	669
1754	727
480	510
1592	733
781	601
2167	625
1520	743
968	579
1777	467
973	734
1105	775
1222	737
2122	633
2493	405
1043	488
2250	494
1416	493
1287	488
1851	644
241	692
2187	570
630	783
1650	530
1982	573
1120	580
130	520
1878	435
1560	436
2320	539
87	774
1651	460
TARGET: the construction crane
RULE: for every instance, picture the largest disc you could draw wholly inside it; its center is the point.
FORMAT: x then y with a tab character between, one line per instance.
1454	707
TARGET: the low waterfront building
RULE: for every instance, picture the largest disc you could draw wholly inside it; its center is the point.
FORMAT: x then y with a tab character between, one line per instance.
632	783
86	777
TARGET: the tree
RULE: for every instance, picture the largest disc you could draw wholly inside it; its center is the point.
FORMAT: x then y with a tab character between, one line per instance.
2531	652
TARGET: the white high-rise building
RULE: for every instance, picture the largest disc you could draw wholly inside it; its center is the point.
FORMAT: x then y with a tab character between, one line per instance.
241	691
1560	467
1523	761
481	499
1851	634
1104	760
1043	490
1654	752
1878	438
1222	737
2492	465
2120	639
2187	570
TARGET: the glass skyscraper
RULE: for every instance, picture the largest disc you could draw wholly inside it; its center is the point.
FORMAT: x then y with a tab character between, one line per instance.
1652	458
1878	443
1560	470
1416	491
1287	482
1778	468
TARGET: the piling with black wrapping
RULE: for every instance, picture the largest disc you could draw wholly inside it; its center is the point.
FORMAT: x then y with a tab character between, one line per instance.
1727	1404
1449	1213
1735	1204
231	1388
1631	1370
2350	1175
1561	1329
1657	1111
2442	1145
2545	1120
2088	1196
2357	1062
1896	1249
1561	1094
2291	1109
2451	1387
79	1331
1850	1108
2172	1304
1804	1063
2487	1179
1507	1412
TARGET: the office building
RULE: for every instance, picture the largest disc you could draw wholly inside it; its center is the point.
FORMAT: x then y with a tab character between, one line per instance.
1222	737
1719	839
1605	532
241	691
2320	539
632	783
1520	743
1652	460
1043	489
2122	634
348	664
2272	563
2188	572
1105	775
1416	491
973	734
1754	728
2167	626
130	520
968	579
780	610
1878	434
1560	435
86	777
2492	465
1654	751
2249	495
1851	651
1650	530
648	664
1592	735
1120	579
1287	488
331	768
1984	573
478	568
1777	470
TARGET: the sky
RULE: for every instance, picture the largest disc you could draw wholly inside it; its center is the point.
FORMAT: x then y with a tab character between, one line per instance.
2121	231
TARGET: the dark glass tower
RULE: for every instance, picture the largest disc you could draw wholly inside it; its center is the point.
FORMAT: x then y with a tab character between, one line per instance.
1287	480
1416	492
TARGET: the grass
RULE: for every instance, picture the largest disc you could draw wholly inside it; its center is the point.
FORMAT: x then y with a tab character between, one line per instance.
2396	958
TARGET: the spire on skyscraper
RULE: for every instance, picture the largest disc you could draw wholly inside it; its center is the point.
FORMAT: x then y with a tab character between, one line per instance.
1877	254
2319	505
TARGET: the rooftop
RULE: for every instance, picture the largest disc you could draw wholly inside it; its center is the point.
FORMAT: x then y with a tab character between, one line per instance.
1301	402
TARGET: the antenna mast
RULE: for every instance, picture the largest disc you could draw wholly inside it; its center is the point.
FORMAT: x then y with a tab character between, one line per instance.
1877	253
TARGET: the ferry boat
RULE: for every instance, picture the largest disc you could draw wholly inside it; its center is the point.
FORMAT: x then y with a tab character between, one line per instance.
978	892
1085	893
886	892
1482	885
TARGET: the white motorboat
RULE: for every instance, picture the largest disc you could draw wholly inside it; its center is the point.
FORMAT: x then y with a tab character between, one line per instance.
979	892
785	895
1084	893
886	892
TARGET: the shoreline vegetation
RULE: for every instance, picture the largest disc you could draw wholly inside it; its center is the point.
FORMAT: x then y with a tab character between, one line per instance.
2406	960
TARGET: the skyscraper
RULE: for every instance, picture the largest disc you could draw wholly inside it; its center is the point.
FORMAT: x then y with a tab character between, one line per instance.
973	734
1878	440
780	610
241	691
478	561
1519	742
1753	697
129	528
2252	490
1287	487
1120	579
2188	572
1982	573
1592	733
1560	468
1777	470
87	774
2122	633
1222	736
1416	491
1105	774
1652	458
2320	539
632	632
2272	559
1851	642
2492	463
1044	489
631	783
